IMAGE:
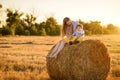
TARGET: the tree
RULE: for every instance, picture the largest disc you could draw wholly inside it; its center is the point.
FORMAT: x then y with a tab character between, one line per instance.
106	31
92	27
13	20
29	20
87	32
0	5
52	27
41	25
27	33
42	32
33	30
5	31
0	17
95	27
19	30
112	29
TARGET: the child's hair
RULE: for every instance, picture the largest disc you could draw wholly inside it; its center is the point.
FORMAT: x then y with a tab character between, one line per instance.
79	25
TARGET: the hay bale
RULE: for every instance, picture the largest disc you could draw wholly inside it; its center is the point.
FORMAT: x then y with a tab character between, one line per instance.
88	60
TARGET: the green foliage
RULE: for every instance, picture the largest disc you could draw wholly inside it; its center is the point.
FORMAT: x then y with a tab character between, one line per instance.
42	32
113	29
95	27
28	26
29	20
19	30
52	28
12	31
33	30
106	31
0	5
0	31
87	32
13	20
5	31
27	33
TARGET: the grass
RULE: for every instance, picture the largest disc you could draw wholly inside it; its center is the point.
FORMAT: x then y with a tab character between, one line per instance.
23	57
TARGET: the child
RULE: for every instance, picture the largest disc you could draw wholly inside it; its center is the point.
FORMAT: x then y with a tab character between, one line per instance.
78	35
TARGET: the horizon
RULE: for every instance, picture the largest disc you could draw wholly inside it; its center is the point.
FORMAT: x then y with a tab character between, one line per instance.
107	12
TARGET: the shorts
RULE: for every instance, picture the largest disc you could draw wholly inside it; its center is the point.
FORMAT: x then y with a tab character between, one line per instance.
74	38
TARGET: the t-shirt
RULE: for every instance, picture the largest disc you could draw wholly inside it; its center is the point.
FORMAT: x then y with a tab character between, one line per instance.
74	23
79	34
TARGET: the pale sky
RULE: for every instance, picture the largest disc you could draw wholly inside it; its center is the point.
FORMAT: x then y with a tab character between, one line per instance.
106	11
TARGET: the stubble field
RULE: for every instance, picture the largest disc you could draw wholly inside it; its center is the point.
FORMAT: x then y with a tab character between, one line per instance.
23	57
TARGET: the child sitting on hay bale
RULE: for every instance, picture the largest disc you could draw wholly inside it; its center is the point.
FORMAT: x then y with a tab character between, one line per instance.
77	36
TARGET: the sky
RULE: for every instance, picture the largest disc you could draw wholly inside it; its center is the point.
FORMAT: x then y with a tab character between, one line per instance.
106	11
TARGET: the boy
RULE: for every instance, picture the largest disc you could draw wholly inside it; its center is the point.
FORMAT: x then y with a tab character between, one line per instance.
78	35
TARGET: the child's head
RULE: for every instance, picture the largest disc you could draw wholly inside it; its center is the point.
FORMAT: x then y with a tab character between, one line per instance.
80	26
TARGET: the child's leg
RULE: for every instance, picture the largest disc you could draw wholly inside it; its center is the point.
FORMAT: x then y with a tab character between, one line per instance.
73	39
80	39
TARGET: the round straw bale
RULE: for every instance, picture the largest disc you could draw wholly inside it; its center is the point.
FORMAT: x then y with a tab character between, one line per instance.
88	60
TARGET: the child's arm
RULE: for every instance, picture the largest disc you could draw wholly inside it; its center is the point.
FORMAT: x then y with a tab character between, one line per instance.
82	32
74	34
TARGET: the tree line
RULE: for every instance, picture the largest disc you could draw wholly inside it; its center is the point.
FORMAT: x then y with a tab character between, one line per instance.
95	27
16	25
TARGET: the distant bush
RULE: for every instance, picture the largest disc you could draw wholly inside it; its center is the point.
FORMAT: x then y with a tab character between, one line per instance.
0	31
33	30
5	31
42	32
19	30
87	32
27	33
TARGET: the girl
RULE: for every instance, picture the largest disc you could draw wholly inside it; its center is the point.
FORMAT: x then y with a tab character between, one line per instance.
69	28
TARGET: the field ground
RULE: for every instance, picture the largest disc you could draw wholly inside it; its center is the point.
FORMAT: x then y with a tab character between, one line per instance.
23	57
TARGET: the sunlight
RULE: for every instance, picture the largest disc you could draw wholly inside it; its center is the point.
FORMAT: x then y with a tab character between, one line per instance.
103	10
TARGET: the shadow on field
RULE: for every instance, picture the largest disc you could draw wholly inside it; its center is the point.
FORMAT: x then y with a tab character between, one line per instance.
14	43
5	46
